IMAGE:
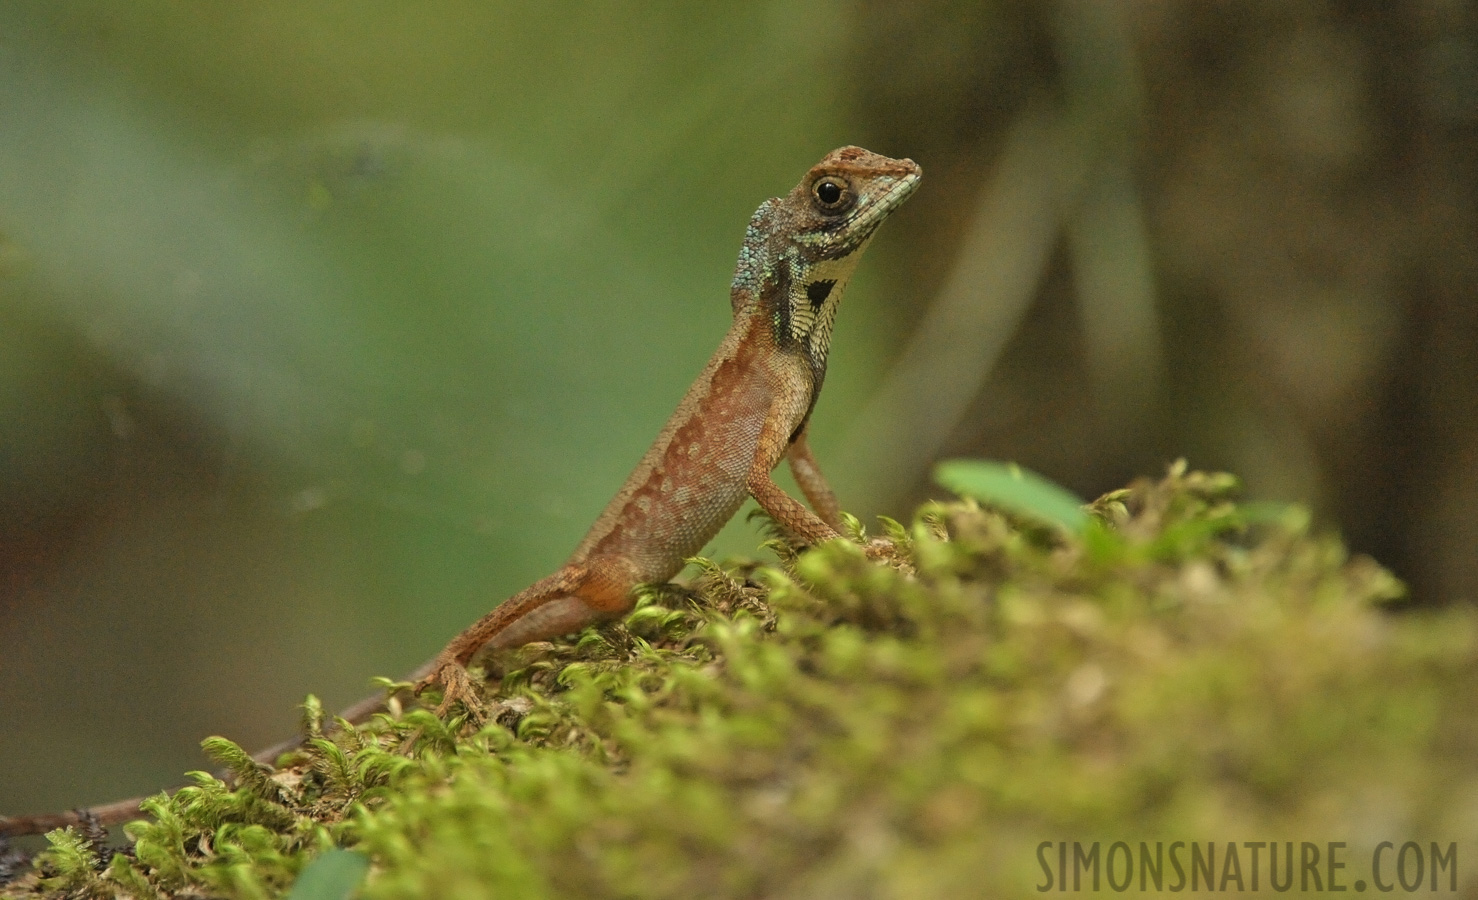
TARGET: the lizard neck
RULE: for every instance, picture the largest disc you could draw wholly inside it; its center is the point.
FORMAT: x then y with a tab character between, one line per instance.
796	290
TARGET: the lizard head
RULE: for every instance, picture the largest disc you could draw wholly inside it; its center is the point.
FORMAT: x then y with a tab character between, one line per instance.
801	249
844	198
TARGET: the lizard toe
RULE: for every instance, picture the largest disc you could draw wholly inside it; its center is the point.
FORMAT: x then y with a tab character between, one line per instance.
456	687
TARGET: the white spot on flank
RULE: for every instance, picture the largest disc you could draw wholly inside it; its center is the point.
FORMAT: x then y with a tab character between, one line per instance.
693	449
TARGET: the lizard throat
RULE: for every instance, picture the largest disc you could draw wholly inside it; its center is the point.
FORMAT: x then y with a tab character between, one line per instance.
804	305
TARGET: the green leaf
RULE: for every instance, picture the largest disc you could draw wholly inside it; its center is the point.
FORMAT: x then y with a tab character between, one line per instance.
1014	489
336	875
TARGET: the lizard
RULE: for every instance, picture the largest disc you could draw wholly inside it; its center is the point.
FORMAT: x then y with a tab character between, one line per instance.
749	409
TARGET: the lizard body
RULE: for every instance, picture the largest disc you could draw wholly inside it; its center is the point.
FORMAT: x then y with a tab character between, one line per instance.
747	410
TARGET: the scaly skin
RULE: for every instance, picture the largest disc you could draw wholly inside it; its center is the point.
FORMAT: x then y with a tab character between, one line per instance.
747	410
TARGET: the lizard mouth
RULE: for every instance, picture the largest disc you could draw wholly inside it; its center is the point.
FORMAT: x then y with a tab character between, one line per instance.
900	190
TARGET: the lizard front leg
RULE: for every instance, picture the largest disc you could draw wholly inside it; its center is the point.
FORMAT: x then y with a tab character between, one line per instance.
773	444
812	483
579	594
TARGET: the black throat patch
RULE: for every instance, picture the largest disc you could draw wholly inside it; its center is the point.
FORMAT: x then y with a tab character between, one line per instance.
818	291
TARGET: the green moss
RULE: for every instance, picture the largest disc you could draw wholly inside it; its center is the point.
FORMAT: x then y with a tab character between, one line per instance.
907	725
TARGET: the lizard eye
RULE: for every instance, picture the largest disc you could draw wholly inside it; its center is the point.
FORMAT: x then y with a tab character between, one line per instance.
831	194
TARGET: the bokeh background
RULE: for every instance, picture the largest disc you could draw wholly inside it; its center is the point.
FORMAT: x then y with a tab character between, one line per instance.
324	327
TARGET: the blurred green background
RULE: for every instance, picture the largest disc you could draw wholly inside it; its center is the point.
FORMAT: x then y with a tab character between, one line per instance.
325	327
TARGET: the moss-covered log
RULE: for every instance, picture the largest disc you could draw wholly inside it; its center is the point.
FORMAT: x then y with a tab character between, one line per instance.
1184	669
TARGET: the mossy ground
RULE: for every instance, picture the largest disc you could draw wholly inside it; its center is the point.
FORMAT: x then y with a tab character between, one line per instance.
913	726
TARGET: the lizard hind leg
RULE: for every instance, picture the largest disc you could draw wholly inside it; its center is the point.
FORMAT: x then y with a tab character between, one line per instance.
579	594
597	590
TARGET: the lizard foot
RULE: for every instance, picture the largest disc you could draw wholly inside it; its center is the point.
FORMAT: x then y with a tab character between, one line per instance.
456	687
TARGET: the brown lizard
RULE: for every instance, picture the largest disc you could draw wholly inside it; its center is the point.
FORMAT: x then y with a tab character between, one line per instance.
747	410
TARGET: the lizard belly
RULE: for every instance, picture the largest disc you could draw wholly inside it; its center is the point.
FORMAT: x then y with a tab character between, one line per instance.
686	496
695	476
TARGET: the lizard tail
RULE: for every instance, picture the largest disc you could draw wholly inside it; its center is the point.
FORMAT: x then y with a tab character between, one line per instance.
120	811
546	609
107	814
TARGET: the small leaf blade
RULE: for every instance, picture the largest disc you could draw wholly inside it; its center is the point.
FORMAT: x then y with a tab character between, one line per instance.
1014	489
336	875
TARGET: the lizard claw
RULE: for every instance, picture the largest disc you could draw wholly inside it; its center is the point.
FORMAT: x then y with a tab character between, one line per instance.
456	687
